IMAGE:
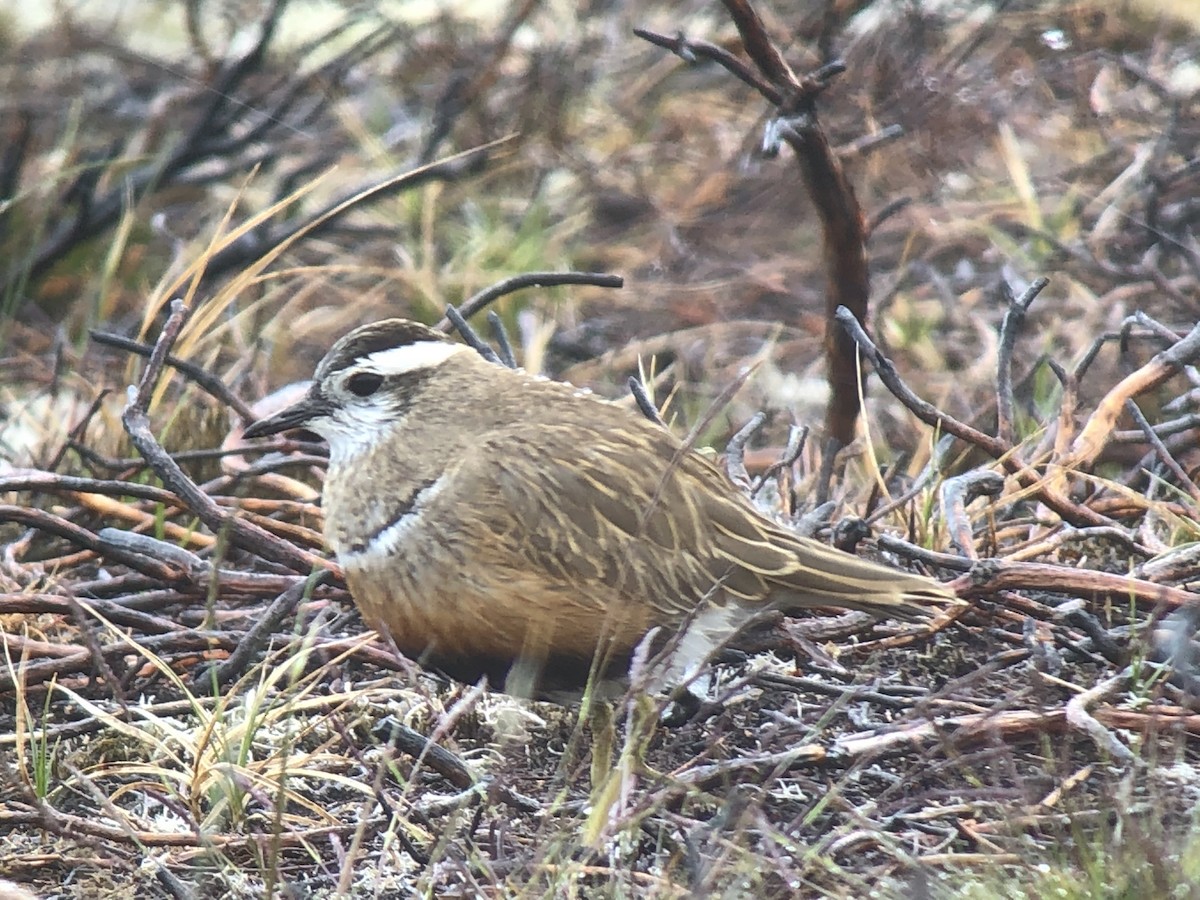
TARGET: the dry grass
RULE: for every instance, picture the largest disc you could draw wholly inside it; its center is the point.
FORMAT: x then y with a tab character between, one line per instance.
1038	745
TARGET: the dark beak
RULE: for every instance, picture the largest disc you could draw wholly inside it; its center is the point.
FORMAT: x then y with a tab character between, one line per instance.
295	416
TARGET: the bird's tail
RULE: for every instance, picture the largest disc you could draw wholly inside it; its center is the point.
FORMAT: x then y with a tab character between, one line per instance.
792	573
763	563
824	576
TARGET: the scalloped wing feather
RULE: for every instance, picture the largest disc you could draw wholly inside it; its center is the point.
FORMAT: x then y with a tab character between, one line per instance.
670	538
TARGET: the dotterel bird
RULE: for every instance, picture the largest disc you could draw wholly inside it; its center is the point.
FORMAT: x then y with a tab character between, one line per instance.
493	523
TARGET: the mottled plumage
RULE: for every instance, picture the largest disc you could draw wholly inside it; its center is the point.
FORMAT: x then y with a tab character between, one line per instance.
487	518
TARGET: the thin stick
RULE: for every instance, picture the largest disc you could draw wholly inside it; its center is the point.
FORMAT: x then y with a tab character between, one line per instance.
137	425
500	336
531	279
735	451
645	403
1095	435
281	607
956	493
209	382
1013	319
931	415
471	336
1161	450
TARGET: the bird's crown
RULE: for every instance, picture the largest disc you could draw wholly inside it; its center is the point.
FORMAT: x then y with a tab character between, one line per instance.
387	347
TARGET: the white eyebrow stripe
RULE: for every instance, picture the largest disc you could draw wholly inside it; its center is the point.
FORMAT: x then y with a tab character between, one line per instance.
411	357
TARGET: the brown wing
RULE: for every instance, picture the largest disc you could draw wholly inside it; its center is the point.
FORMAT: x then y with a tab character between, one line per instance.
617	512
777	566
583	507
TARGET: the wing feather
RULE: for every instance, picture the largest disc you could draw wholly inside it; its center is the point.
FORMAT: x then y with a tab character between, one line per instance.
594	517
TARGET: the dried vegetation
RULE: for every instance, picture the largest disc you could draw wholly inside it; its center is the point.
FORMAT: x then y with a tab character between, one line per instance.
190	704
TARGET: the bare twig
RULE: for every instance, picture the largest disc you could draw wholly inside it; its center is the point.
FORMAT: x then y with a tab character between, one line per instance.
263	629
689	51
844	229
645	403
797	435
471	336
956	493
1163	453
735	451
446	764
995	574
500	336
137	424
1079	717
206	380
931	415
909	550
1013	319
479	301
49	523
1095	435
50	483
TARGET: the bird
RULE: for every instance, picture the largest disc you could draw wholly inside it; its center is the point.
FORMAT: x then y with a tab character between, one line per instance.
497	524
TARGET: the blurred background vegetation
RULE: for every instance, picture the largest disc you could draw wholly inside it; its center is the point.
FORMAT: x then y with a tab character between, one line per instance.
155	149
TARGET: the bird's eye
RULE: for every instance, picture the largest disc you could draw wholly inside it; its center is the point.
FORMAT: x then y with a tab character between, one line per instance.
364	384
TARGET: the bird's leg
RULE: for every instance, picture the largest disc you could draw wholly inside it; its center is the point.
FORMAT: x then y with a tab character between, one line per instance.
615	774
683	672
600	721
686	701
